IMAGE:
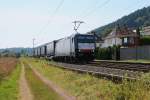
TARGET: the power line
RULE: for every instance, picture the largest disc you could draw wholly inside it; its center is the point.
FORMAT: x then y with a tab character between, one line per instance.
58	7
97	7
89	6
92	11
52	16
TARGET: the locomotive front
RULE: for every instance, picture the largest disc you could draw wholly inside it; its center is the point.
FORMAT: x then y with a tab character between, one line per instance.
85	47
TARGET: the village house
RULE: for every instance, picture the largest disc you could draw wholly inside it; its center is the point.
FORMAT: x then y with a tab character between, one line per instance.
111	39
122	36
145	31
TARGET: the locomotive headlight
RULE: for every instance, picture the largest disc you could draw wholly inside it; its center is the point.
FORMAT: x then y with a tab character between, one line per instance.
79	50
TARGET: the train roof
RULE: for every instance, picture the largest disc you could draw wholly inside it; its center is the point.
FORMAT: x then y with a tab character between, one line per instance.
73	35
45	44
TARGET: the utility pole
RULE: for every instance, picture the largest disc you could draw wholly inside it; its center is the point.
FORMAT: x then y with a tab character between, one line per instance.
77	25
33	40
137	37
116	49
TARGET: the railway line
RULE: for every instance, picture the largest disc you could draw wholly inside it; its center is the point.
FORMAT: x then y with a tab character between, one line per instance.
100	71
140	67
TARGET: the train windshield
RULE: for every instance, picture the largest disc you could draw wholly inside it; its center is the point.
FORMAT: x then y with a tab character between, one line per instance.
86	39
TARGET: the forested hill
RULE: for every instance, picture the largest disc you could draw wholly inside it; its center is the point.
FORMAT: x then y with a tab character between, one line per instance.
138	18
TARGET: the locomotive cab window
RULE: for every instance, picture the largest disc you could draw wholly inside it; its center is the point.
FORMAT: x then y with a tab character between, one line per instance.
86	39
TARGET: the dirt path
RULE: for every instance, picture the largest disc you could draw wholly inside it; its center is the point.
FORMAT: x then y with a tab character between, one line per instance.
25	93
49	83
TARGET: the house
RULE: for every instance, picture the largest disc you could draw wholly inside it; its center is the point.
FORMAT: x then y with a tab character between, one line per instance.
122	36
145	31
111	40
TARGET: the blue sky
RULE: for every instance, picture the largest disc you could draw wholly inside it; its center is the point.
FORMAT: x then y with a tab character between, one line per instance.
22	20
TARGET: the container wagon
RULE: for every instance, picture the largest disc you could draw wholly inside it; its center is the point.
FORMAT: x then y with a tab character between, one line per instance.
38	51
35	52
50	49
43	51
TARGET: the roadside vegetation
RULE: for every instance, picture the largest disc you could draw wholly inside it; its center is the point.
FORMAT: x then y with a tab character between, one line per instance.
39	89
10	72
88	87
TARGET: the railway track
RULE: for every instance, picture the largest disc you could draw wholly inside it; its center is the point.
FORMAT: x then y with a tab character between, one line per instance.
141	67
102	71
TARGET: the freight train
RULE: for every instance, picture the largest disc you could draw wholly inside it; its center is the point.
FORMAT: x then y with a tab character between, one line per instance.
75	48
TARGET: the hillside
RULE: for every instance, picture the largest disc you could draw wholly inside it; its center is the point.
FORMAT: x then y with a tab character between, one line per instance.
138	18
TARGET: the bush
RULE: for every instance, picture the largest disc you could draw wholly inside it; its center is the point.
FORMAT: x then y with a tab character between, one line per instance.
107	53
103	53
145	41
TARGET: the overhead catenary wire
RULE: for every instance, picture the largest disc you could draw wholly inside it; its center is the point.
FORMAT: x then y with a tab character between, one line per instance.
88	8
52	16
98	5
95	8
84	15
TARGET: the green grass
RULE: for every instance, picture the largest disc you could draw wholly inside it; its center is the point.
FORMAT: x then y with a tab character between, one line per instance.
83	86
9	89
39	89
137	61
88	87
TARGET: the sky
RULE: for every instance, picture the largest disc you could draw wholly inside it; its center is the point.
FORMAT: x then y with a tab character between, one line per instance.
48	20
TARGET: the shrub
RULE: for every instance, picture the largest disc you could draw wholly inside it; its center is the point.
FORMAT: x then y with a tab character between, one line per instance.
107	53
145	41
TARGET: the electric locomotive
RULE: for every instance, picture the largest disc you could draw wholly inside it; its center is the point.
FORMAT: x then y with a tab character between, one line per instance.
75	48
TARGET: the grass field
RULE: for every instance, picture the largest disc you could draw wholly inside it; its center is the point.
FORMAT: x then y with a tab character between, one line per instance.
7	64
38	88
9	89
82	86
88	87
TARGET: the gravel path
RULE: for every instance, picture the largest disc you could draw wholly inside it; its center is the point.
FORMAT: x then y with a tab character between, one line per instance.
49	83
25	93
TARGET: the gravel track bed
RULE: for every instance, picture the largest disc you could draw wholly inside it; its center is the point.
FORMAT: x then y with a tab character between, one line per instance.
141	67
111	72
